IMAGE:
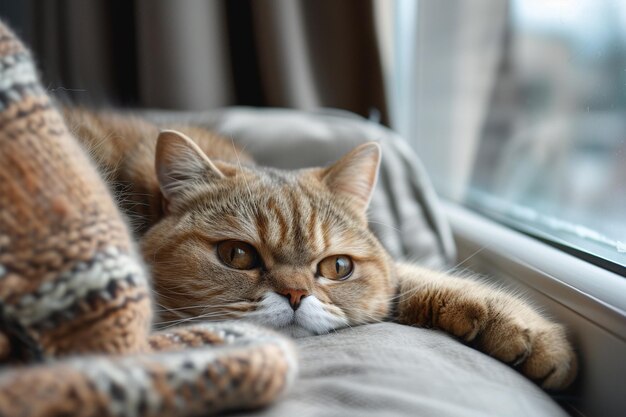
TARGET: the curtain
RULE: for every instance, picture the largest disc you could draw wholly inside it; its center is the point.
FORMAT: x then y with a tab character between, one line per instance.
203	54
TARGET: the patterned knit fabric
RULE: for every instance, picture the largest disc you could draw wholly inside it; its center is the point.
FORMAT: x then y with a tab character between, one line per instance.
74	298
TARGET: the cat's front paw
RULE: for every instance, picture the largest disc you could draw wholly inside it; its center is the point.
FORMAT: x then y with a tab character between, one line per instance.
552	361
538	349
497	323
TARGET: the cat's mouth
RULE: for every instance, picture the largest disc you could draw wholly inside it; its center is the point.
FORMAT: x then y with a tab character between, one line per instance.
311	318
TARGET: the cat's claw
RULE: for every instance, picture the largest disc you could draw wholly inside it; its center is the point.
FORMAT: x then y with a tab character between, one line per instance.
552	362
541	353
463	319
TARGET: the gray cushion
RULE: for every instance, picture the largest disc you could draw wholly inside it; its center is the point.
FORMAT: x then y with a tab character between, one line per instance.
388	369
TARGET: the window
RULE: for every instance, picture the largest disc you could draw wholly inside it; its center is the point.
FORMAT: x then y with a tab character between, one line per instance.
518	110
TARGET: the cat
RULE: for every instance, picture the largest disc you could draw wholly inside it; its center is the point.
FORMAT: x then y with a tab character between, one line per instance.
226	239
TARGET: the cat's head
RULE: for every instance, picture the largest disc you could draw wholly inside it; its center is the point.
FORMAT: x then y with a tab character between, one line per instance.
287	249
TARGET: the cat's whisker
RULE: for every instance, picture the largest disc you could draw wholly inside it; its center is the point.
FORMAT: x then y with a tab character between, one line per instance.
202	317
476	252
203	293
240	167
215	301
165	308
235	305
170	295
204	307
408	292
386	225
367	317
416	259
452	270
212	314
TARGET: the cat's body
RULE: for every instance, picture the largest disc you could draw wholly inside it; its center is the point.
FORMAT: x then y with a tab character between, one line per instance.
225	239
123	147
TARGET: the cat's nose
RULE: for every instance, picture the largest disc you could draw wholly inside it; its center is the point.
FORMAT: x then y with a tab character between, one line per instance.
294	296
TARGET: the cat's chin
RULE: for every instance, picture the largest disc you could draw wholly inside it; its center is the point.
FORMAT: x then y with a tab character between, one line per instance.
296	331
310	319
292	330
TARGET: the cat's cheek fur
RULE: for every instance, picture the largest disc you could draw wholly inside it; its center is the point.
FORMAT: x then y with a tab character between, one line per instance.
189	280
311	318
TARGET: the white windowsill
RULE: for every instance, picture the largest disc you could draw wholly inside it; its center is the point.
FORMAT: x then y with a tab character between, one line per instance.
589	300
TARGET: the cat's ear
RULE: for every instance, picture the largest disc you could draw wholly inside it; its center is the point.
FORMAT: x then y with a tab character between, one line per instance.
180	165
355	174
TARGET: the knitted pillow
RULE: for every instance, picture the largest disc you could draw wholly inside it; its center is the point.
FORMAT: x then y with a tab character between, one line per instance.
74	300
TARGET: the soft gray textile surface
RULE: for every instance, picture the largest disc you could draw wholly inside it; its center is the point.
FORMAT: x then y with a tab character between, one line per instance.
381	369
388	369
404	209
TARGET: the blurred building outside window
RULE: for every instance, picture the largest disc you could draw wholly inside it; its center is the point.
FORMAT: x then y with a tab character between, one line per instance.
518	110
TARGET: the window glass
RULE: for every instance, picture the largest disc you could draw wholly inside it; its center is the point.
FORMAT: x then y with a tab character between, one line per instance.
532	100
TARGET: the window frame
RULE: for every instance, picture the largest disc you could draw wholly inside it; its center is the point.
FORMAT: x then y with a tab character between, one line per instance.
588	251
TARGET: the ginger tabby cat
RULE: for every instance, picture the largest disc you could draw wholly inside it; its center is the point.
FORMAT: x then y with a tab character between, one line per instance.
226	239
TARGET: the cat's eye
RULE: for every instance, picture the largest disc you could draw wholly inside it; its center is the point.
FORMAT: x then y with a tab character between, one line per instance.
336	267
238	255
